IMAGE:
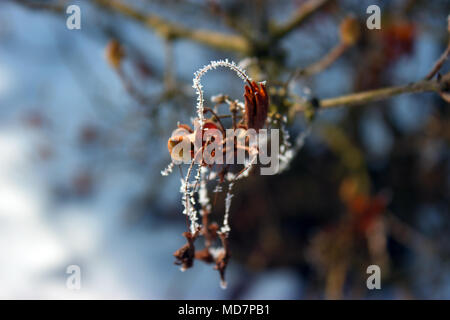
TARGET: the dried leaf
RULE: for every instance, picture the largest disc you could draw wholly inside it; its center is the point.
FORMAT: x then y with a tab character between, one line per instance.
186	254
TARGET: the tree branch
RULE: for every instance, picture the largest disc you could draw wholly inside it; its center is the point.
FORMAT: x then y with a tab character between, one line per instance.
54	7
305	11
172	30
361	98
319	66
439	63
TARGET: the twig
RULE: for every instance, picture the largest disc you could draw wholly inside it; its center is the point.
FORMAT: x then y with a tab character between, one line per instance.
379	94
229	19
326	61
132	90
438	65
349	32
169	79
410	237
322	64
305	11
172	30
55	7
216	116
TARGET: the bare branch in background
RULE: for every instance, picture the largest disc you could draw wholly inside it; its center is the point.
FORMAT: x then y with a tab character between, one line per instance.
349	35
305	11
438	65
228	18
172	30
409	236
380	94
334	54
169	76
55	7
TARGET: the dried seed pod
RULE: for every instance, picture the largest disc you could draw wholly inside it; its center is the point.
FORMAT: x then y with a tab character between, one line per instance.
256	105
185	255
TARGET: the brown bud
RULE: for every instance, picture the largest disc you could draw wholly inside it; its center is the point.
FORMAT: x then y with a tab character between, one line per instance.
350	31
114	53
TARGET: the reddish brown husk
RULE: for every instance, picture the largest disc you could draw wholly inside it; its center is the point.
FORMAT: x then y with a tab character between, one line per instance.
256	105
186	254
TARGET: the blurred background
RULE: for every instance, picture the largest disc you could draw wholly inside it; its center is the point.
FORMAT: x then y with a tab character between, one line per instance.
85	116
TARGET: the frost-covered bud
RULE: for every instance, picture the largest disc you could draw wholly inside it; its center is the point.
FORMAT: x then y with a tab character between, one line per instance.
219	98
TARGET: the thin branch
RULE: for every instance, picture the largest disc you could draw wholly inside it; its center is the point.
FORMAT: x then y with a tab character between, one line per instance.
326	61
305	11
54	7
172	30
379	94
216	116
319	66
410	237
349	32
228	18
438	65
169	77
132	90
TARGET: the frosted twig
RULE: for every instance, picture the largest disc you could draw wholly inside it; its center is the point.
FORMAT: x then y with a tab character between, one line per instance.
226	226
188	200
188	195
203	197
199	88
244	172
287	151
168	169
